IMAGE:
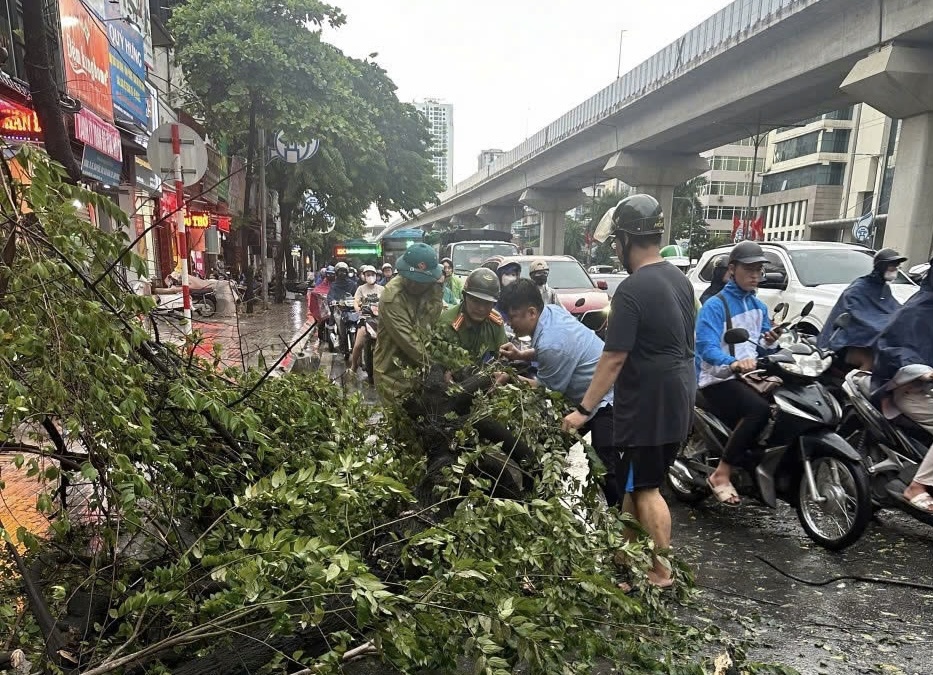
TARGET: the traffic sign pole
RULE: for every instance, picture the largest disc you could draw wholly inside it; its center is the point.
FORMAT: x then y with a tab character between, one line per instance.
180	210
263	241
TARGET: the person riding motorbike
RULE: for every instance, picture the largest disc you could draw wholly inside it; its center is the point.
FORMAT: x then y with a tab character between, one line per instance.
367	294
387	272
739	406
903	377
342	287
870	304
719	279
539	271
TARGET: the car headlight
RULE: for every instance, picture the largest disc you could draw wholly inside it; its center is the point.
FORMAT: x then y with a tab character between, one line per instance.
807	365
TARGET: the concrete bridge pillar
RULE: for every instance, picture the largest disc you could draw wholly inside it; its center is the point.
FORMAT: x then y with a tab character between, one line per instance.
552	205
500	217
898	81
656	174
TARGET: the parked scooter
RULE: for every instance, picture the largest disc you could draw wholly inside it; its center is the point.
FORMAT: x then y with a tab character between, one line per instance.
369	322
800	459
891	449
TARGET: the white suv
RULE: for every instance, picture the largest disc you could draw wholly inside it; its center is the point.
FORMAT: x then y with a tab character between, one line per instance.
800	271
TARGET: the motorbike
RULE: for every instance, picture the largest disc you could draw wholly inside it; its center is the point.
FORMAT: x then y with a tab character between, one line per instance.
891	450
799	459
369	322
342	326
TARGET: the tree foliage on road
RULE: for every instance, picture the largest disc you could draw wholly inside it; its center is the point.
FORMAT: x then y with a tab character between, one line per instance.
221	522
256	64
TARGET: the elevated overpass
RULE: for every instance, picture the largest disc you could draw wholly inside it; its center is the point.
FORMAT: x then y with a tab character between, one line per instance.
753	66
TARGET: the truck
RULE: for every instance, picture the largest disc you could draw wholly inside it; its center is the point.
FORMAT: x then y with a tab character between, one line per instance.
468	248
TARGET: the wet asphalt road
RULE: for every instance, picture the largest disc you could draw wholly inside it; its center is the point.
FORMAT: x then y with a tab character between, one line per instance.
841	628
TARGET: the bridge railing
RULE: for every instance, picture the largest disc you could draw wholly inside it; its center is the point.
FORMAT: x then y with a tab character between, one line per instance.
729	26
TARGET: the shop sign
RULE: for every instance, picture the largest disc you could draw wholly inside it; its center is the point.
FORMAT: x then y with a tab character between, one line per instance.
223	223
128	73
134	13
93	131
18	123
198	220
100	167
87	58
145	176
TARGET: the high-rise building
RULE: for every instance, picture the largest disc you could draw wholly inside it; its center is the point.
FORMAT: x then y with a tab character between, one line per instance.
487	157
733	173
441	125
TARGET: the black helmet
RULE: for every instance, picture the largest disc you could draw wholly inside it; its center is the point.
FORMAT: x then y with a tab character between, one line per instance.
747	253
638	215
721	261
886	257
482	284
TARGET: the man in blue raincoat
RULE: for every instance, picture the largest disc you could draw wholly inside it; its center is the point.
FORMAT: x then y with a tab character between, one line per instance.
903	370
870	303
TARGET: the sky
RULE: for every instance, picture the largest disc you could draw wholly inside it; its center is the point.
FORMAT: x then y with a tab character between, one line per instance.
509	67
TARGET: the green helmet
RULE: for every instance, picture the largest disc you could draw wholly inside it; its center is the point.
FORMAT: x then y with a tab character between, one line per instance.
482	284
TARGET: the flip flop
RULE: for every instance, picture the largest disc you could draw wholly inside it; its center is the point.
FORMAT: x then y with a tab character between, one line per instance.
723	493
922	502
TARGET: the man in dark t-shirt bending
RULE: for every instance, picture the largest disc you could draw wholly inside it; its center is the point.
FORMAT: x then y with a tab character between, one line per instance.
649	359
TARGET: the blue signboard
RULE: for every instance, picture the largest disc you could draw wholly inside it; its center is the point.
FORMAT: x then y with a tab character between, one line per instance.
100	167
128	73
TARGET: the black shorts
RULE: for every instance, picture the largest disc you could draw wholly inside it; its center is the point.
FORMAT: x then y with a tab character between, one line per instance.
644	467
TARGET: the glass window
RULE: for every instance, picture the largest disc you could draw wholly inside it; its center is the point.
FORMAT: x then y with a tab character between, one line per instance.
816	174
796	147
563	274
835	141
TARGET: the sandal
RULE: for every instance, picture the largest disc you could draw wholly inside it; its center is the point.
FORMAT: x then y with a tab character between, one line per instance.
724	494
922	502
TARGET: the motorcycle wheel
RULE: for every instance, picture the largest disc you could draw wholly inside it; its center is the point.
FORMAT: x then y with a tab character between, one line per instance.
688	493
206	307
841	519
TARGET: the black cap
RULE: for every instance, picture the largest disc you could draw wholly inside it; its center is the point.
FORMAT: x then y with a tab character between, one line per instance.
747	253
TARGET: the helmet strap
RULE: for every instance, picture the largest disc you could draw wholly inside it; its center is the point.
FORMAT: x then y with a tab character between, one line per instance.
625	239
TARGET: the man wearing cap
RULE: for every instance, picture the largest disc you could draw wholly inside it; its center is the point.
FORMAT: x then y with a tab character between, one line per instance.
473	324
408	312
386	274
739	406
539	272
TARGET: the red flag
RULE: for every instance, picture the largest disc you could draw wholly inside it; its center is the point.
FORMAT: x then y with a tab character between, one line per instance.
757	230
736	224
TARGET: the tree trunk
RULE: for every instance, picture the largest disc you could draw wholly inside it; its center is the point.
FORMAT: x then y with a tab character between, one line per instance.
284	249
248	180
45	90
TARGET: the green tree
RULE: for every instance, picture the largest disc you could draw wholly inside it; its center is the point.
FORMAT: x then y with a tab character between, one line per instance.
687	222
574	238
593	211
257	64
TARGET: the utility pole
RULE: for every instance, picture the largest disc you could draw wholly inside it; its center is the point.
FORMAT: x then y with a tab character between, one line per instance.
180	210
619	62
263	241
751	183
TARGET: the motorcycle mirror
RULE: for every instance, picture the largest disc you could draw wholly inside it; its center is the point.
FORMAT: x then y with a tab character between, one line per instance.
780	307
580	302
807	308
735	336
843	320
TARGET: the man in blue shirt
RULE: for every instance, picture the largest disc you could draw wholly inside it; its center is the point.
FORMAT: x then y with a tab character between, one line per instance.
566	352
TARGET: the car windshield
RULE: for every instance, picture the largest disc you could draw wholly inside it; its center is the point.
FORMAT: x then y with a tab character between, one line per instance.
816	267
563	274
468	256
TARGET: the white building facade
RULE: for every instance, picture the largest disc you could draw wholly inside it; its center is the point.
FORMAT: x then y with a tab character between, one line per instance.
441	125
734	173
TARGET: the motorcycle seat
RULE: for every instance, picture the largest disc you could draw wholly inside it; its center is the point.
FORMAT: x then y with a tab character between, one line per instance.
201	292
912	429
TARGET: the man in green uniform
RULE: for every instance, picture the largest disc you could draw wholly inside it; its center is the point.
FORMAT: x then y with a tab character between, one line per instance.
408	312
473	324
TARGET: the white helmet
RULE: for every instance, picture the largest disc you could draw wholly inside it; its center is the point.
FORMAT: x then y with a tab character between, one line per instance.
367	268
342	266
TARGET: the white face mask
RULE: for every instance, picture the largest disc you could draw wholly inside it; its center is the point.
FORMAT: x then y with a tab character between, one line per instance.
890	276
370	278
508	279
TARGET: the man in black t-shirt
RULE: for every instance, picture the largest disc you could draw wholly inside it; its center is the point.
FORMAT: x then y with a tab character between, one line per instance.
649	359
